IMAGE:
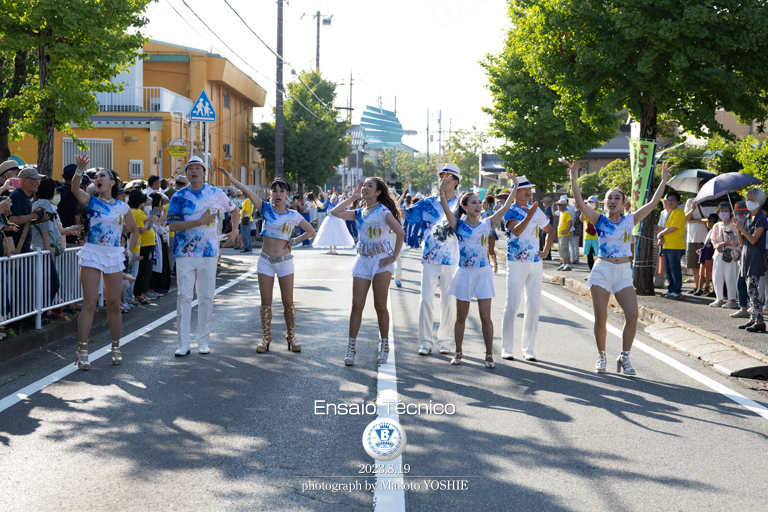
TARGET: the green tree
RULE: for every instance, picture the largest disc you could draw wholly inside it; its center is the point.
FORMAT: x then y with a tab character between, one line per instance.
753	156
530	118
463	148
79	46
661	60
314	135
370	169
16	72
723	156
616	174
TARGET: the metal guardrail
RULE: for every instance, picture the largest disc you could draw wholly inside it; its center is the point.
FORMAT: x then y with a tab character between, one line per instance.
144	99
24	290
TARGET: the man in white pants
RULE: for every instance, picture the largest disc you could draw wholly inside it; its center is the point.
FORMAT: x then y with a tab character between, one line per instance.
574	242
524	269
439	262
193	215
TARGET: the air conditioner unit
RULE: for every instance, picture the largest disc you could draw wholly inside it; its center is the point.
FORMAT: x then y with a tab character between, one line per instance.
228	150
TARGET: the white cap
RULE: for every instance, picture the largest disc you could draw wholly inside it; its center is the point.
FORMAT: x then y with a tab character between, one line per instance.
194	160
453	169
522	182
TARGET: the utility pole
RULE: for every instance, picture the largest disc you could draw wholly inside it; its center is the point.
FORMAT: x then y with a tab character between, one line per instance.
349	112
429	162
440	140
394	148
317	59
450	122
279	95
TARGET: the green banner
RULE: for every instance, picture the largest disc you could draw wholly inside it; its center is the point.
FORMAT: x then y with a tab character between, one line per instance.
641	158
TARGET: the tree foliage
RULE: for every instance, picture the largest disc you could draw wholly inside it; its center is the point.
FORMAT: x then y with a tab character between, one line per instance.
527	115
314	138
78	45
463	148
616	174
753	156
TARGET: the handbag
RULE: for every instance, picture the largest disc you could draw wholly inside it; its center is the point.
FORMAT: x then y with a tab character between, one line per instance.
9	249
727	257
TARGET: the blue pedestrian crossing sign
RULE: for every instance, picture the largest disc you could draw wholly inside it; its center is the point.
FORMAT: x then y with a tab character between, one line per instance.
202	109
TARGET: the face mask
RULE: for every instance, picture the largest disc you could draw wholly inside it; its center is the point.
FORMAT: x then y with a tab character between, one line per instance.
724	216
56	199
147	210
752	205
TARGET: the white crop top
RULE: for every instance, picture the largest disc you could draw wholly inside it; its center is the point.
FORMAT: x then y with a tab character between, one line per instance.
278	225
615	239
473	243
373	232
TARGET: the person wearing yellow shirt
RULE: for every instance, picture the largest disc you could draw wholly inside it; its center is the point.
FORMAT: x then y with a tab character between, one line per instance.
246	216
564	234
137	201
672	238
171	259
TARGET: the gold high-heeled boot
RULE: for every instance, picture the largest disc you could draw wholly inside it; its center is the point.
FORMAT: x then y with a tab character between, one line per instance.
290	327
266	329
495	263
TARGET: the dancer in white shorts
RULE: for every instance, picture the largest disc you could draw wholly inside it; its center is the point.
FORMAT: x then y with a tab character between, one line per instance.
375	260
473	278
276	258
102	255
612	274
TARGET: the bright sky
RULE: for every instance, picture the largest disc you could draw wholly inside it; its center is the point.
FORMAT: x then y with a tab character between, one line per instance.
424	52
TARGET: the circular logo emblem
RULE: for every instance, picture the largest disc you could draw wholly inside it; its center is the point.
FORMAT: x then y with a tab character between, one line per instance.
384	439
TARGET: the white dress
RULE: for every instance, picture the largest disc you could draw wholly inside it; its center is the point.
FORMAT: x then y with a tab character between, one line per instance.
333	233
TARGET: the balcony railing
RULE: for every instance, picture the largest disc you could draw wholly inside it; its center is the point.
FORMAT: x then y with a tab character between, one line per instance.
144	99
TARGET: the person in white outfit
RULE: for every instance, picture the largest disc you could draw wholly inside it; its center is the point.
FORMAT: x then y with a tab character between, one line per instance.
192	216
574	241
725	264
525	270
439	263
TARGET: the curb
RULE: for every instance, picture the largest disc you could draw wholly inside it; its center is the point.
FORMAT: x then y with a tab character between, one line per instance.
725	356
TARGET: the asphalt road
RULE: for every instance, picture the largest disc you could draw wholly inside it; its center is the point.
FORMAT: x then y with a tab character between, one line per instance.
236	430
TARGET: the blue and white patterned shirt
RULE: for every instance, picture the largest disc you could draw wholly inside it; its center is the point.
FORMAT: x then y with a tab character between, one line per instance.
188	204
524	248
374	232
278	225
105	221
440	248
615	239
473	241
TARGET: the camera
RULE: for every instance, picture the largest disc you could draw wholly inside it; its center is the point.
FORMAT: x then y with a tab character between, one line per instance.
52	215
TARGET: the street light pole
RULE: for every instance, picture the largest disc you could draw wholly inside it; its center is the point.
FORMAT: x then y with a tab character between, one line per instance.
317	59
279	95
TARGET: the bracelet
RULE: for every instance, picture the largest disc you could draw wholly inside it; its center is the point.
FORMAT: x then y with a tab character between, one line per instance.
79	172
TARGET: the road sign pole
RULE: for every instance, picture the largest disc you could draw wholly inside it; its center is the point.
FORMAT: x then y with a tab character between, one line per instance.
205	154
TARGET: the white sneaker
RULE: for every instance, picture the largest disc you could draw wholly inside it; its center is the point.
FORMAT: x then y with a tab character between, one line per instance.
426	348
507	355
717	304
182	351
203	349
529	357
444	350
731	304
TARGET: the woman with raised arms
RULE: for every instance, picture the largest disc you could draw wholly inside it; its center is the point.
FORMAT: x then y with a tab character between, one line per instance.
375	260
612	273
276	258
473	278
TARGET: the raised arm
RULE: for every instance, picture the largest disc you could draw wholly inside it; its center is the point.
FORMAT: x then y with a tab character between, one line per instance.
82	196
450	217
256	200
499	215
587	210
643	212
340	210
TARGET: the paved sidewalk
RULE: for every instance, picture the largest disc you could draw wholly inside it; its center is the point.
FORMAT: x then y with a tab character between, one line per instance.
687	324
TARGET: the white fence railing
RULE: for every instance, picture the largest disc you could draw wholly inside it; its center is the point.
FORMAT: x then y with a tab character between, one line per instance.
25	281
144	99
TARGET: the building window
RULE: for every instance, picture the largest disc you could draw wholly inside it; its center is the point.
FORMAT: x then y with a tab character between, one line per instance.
136	168
227	101
99	151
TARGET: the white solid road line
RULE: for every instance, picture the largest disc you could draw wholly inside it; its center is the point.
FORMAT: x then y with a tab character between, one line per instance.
33	388
710	383
391	499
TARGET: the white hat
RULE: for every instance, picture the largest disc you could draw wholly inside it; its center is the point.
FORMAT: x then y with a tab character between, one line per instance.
194	160
564	196
522	182
592	199
452	169
419	196
562	200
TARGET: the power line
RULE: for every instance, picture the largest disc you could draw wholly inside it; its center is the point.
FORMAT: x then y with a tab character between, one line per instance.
225	44
188	23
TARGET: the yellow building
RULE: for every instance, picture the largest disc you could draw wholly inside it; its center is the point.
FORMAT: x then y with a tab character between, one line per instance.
134	127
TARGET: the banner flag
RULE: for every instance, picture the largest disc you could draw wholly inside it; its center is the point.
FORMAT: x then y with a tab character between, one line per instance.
642	154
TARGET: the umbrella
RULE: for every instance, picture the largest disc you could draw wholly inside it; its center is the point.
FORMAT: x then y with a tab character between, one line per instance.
689	180
724	183
731	197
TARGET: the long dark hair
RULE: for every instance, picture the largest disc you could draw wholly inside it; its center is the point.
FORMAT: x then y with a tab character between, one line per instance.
384	197
84	218
443	229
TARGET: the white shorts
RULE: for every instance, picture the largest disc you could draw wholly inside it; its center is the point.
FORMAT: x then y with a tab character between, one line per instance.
106	258
281	268
612	277
469	283
366	268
